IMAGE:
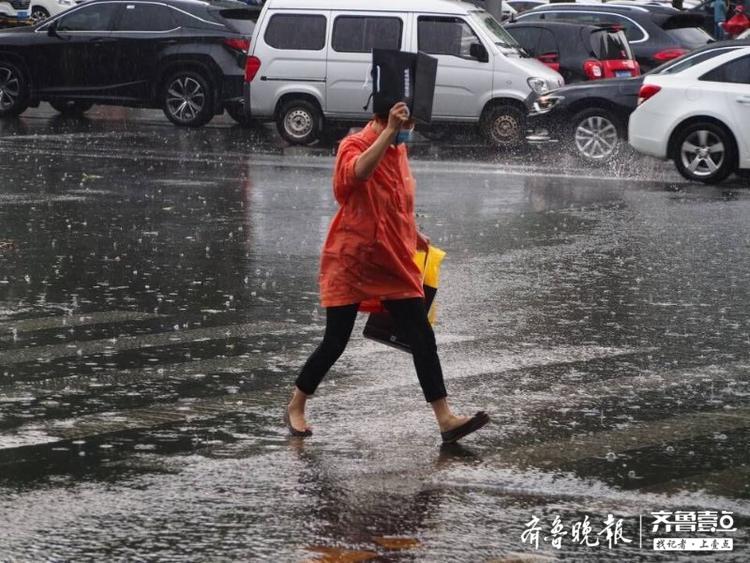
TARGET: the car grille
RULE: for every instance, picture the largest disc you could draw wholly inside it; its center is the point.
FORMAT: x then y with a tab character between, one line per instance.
20	4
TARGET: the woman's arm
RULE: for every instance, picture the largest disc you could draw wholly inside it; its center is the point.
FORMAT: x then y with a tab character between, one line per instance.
369	160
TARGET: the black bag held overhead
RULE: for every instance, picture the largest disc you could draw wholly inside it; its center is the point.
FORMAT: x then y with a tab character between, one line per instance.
399	76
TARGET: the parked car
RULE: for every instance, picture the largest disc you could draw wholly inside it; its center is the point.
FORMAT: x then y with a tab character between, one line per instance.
577	52
306	81
698	117
184	56
42	9
14	11
591	118
656	33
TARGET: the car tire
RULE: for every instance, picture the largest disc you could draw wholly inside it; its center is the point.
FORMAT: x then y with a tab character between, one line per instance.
39	14
14	90
237	112
704	152
71	107
187	98
503	126
596	135
299	122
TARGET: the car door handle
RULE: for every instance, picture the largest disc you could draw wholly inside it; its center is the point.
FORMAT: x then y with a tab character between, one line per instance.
743	100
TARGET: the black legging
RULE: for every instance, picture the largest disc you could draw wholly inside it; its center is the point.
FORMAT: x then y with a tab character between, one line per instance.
409	314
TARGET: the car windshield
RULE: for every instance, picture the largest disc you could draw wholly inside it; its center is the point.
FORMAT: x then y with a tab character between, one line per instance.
499	36
610	45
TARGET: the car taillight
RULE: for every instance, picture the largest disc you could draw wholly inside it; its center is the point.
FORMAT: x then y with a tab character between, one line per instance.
647	91
238	44
669	54
593	70
252	65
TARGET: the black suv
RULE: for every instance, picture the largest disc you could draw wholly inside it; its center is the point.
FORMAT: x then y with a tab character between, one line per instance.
656	33
186	57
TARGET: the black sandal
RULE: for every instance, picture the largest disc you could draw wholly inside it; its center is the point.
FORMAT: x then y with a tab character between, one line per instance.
474	423
292	430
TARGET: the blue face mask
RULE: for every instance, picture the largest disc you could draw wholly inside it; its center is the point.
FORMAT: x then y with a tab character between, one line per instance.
403	136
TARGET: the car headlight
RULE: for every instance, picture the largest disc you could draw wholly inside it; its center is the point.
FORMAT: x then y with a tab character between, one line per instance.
543	104
66	2
538	85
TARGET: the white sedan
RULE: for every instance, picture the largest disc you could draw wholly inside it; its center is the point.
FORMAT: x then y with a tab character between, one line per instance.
699	118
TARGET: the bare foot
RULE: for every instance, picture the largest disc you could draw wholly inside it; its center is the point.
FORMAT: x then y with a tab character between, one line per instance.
452	422
297	418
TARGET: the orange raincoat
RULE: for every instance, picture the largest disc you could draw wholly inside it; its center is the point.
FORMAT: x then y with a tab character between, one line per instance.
368	253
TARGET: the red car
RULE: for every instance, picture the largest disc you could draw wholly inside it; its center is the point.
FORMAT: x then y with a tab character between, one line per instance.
577	52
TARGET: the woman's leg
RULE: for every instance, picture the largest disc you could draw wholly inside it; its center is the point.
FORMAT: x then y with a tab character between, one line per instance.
411	315
339	325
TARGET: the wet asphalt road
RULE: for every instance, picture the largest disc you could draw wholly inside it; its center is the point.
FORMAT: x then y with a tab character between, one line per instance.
158	296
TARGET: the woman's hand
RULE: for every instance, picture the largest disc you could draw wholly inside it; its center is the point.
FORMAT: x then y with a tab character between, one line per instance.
397	117
423	242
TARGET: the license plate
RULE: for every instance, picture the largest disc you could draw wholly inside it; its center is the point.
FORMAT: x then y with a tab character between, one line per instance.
619	73
22	15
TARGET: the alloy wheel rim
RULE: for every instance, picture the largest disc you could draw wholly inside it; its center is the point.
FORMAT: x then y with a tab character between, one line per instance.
38	16
298	123
504	129
596	137
185	98
702	153
10	88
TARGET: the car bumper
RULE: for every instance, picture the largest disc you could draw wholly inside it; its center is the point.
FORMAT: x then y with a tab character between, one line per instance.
648	132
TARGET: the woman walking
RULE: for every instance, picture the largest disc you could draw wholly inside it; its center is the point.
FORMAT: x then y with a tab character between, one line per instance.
368	258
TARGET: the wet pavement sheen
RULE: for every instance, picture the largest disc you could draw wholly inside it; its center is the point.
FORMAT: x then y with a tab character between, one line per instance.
158	295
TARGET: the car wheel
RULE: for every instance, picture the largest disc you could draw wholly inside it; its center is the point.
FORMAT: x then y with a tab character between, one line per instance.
704	152
39	14
596	135
71	107
14	90
188	99
503	126
299	122
237	112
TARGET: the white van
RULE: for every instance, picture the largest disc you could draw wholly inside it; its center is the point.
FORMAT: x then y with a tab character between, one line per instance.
309	64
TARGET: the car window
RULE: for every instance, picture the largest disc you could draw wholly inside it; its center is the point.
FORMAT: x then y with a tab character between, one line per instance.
527	37
610	46
145	17
361	34
241	21
445	36
736	72
303	32
97	17
547	43
689	37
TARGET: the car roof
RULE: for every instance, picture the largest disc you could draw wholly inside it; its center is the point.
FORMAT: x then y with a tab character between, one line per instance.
609	7
233	4
430	6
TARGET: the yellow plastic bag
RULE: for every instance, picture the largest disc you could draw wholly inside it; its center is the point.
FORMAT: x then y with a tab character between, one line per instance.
430	267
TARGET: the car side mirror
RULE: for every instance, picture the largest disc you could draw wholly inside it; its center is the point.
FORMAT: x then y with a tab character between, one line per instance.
52	29
479	52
